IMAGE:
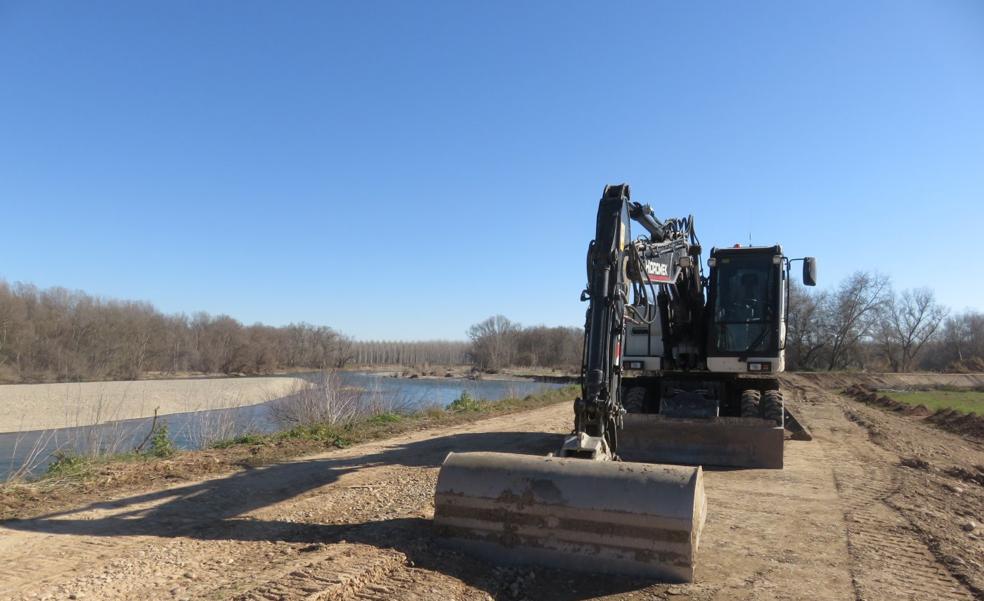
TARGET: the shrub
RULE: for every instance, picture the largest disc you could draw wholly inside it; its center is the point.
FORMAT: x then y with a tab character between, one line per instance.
465	402
67	464
160	442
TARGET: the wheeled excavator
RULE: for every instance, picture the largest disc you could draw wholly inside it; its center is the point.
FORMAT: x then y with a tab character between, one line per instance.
678	371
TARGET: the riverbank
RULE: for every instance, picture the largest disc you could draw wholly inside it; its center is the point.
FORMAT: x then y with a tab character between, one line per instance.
85	480
26	407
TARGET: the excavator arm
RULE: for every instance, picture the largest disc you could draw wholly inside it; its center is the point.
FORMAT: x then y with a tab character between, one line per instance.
662	272
598	410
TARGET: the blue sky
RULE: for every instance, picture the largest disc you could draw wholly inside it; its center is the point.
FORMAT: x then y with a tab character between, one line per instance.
402	170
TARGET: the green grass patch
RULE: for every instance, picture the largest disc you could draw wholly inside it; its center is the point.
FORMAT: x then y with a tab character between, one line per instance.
385	418
326	434
70	465
245	439
967	401
67	465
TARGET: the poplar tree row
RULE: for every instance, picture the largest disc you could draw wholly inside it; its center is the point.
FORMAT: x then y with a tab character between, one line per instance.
428	352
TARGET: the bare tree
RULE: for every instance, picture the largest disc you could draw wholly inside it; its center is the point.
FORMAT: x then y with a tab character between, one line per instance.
907	323
541	346
958	345
851	313
807	333
498	342
493	342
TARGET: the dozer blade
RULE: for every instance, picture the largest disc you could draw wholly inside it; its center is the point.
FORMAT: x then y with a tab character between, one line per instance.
603	516
723	441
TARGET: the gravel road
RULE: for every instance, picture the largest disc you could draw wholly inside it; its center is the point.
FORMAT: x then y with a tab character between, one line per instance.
877	506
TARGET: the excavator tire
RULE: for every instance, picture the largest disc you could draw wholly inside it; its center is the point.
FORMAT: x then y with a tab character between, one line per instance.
750	403
635	399
579	514
772	406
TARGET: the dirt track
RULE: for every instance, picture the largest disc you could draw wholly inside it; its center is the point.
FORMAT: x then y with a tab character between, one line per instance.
872	509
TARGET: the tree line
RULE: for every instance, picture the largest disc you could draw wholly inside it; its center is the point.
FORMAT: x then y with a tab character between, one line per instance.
863	323
61	335
498	342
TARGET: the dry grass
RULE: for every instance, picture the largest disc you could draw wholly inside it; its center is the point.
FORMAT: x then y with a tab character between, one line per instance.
25	407
326	400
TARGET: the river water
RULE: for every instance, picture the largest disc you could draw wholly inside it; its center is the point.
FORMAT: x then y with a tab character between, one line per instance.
36	449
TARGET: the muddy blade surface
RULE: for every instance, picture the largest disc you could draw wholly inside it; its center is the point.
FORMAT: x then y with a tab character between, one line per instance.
616	517
722	441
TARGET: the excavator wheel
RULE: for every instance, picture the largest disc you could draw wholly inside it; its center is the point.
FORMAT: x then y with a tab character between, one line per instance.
750	403
772	406
635	399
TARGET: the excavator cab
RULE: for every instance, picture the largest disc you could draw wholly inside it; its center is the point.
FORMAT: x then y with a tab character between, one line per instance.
746	302
729	411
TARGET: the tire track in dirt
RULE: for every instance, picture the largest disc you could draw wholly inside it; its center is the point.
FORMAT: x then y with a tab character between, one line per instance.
41	560
344	573
891	560
360	572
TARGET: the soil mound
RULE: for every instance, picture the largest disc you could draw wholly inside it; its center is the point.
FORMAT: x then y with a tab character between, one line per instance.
965	424
968	424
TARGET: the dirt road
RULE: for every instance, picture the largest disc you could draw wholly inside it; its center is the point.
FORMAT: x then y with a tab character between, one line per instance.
875	507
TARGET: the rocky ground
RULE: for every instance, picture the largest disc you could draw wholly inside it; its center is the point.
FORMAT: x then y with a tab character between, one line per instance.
880	505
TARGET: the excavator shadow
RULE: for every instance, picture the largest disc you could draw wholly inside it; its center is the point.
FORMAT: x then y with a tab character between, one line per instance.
197	510
414	538
220	508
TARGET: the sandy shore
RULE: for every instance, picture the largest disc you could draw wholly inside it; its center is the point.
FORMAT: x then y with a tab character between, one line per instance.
47	406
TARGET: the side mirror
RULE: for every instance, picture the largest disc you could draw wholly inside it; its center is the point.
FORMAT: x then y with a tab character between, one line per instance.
810	271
